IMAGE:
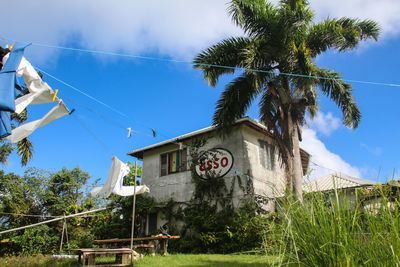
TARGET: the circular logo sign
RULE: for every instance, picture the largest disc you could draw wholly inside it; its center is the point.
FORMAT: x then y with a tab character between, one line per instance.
214	163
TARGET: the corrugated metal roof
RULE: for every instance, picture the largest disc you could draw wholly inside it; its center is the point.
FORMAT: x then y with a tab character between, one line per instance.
338	181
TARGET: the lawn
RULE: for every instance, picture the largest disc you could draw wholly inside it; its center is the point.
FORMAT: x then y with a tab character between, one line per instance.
170	260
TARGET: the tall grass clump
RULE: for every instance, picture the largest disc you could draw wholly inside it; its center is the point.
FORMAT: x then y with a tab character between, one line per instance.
341	228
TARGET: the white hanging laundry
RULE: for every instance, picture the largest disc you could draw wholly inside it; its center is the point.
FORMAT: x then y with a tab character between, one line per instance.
114	182
26	129
39	91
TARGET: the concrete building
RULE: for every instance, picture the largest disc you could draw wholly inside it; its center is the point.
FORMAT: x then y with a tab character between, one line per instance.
248	153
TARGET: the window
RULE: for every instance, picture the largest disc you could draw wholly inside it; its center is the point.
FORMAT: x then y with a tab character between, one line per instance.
267	155
173	162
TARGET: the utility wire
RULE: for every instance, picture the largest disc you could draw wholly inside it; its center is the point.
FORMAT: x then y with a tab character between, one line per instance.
205	65
106	148
85	94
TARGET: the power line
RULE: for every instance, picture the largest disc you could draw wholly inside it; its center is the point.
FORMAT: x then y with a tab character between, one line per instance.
83	93
106	148
206	65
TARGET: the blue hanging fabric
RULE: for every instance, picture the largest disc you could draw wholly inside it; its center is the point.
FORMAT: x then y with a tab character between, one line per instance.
8	77
5	124
8	91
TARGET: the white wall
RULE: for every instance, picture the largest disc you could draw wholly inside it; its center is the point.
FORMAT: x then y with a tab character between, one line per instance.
242	143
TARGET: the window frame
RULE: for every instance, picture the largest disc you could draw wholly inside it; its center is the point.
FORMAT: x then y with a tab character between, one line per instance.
165	164
266	155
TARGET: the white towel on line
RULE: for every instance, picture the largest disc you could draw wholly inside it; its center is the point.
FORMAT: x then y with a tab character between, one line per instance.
114	182
26	129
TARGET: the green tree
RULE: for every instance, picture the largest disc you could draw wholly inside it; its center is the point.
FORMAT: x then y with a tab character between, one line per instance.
64	192
18	195
282	40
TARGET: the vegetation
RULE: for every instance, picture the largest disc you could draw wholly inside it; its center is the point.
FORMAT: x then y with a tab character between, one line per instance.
339	229
170	260
215	220
282	40
43	195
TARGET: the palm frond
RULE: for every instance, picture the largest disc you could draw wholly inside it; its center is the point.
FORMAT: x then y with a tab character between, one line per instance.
225	53
296	15
21	117
340	92
236	98
342	34
256	17
25	150
5	151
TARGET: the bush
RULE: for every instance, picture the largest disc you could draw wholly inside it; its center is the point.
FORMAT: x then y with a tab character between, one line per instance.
37	240
225	231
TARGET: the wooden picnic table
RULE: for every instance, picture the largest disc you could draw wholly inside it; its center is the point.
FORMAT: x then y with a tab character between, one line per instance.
87	256
162	238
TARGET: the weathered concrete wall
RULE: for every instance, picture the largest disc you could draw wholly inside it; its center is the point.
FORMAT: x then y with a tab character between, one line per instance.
179	186
266	182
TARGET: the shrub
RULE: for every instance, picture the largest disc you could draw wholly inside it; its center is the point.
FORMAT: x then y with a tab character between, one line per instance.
37	240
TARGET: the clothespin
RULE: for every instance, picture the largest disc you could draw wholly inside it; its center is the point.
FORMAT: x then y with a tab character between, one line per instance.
12	46
54	95
154	132
72	111
61	103
129	132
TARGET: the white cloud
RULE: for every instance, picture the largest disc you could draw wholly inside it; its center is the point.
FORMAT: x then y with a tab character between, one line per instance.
324	161
376	151
324	123
385	12
173	28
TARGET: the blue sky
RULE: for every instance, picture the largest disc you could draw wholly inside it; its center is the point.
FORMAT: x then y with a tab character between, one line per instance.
172	97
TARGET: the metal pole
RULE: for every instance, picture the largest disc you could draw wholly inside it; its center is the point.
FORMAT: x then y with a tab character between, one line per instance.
133	206
62	236
49	221
66	232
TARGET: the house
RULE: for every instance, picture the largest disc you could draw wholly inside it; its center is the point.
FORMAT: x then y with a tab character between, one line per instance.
337	181
354	191
248	153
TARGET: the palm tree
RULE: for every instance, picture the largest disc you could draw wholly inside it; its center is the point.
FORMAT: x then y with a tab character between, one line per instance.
24	147
280	41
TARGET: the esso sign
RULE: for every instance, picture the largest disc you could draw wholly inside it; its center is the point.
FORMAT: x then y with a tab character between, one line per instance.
216	163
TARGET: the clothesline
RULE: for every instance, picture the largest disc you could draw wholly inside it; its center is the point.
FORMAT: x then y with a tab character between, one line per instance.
205	65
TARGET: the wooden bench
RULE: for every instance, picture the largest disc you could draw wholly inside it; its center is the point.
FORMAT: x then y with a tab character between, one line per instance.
87	256
161	238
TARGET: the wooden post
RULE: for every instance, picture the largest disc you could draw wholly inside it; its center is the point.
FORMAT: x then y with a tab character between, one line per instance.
153	248
62	236
163	247
133	206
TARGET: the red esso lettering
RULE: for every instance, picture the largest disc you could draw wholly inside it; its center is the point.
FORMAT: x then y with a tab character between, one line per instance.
224	162
216	164
209	165
202	166
213	164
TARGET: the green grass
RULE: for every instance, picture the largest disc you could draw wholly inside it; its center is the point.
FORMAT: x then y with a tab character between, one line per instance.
206	260
170	260
337	230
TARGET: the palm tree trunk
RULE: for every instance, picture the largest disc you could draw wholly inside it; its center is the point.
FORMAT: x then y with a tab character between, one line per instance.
294	161
297	166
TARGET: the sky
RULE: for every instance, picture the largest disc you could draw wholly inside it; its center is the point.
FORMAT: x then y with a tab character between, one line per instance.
170	96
